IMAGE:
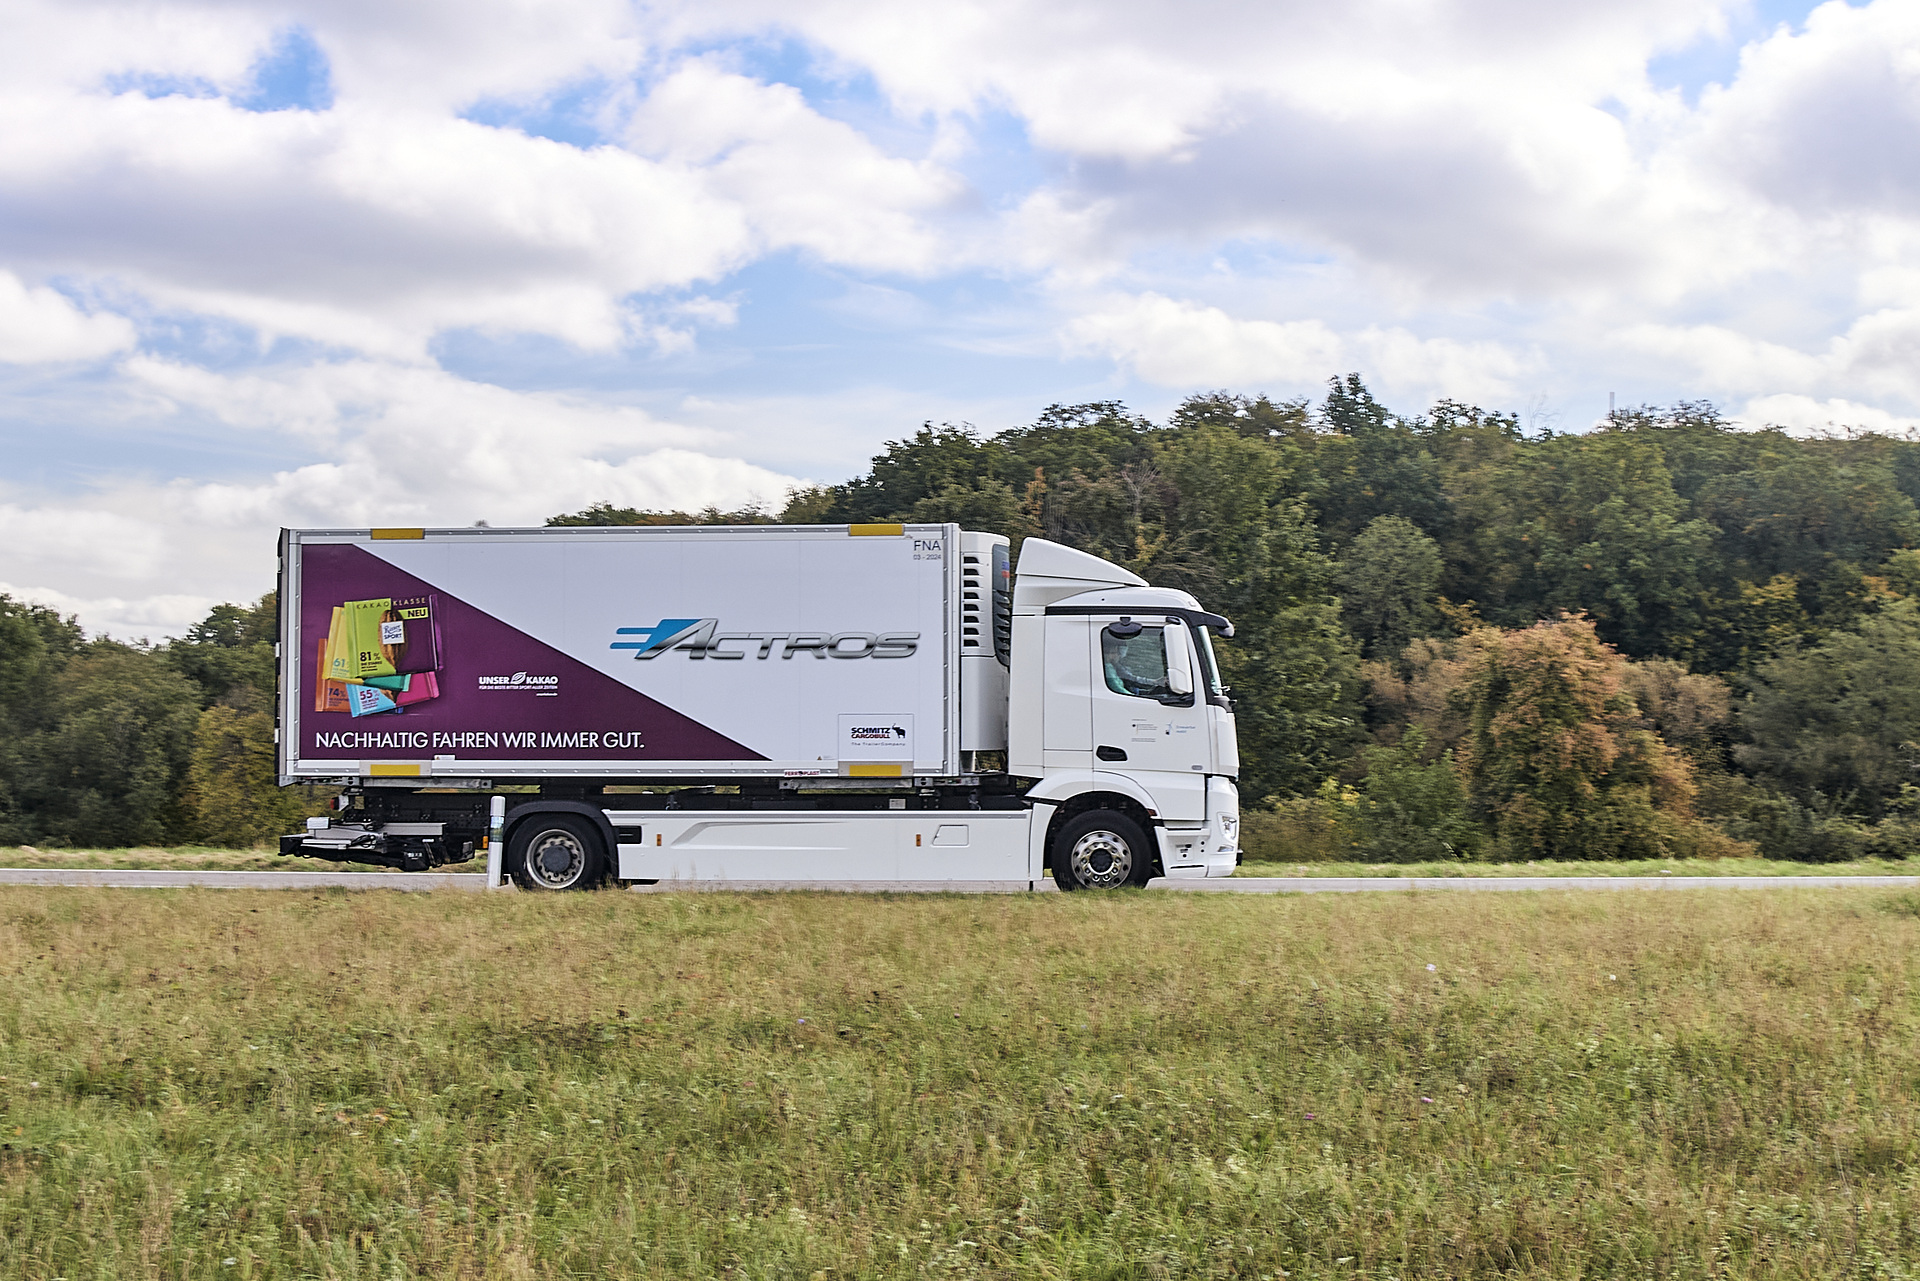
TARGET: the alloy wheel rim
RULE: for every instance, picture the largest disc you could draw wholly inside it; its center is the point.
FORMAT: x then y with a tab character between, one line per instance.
1102	860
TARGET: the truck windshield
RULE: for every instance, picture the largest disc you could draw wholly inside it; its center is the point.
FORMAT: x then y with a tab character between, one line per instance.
1135	664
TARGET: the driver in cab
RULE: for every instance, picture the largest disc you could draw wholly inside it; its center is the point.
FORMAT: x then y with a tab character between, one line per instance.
1135	659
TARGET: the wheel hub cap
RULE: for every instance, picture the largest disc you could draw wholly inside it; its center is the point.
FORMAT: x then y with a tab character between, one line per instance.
556	859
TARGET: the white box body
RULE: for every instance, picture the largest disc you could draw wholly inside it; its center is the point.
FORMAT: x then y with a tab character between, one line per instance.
701	652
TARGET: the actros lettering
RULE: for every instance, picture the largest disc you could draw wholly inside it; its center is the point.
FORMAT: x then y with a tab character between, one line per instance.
702	638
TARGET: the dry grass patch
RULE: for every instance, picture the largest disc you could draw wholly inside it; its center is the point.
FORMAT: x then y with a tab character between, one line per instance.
1144	1085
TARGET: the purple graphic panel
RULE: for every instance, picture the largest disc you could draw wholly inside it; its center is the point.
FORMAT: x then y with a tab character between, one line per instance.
497	693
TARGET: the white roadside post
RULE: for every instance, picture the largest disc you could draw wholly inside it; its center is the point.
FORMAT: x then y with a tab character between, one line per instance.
496	854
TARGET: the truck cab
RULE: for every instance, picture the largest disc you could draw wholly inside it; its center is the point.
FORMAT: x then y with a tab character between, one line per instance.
1116	710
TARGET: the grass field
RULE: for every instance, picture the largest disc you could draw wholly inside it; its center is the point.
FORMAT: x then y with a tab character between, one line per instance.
250	1084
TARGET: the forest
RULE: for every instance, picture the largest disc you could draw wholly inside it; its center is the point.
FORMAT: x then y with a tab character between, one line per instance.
1670	636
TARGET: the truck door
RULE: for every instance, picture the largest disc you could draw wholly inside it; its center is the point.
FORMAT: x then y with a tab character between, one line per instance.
1067	730
1149	721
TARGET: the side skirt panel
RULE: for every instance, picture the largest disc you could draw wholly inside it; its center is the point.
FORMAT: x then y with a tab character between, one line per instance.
927	846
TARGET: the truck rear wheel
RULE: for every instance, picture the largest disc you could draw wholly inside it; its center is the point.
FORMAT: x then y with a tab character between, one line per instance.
1100	850
555	852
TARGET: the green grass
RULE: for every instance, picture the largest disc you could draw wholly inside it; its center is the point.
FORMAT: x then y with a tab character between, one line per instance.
1598	867
1065	1086
204	858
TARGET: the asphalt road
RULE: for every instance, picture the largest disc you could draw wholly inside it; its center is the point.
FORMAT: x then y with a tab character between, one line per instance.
152	879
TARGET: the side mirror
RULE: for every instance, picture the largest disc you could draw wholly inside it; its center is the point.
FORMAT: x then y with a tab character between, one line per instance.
1179	659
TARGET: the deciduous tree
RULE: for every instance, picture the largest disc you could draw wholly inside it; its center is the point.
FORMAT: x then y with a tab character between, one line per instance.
1389	579
1555	759
1836	725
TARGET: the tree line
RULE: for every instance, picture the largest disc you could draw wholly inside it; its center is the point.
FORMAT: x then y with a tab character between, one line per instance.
1667	636
105	743
1456	638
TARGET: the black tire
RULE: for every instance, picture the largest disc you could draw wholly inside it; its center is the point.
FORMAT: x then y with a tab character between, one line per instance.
1101	850
556	852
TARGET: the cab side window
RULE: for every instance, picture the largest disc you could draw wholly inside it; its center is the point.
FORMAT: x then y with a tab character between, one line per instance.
1135	663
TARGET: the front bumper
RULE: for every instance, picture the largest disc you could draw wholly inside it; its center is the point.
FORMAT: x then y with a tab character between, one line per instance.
1195	853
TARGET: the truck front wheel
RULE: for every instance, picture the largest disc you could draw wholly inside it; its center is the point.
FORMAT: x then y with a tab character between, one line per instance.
1100	850
555	852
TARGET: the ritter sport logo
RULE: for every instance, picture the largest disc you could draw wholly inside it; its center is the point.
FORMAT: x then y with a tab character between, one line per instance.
702	638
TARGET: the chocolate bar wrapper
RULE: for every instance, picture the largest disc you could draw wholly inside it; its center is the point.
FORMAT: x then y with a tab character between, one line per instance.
371	636
420	620
421	686
365	700
332	697
413	687
329	693
333	663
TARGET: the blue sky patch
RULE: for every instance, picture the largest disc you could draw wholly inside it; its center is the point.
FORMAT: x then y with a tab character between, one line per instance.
293	75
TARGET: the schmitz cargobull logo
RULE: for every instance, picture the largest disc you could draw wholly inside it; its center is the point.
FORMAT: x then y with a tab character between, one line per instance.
702	638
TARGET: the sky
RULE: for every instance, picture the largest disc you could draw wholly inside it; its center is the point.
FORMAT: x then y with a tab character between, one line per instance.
269	263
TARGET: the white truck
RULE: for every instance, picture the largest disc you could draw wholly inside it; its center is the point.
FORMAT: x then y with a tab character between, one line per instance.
754	705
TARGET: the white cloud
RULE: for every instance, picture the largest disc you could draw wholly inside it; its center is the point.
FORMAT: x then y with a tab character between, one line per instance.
1187	345
39	325
1879	353
68	45
393	444
404	444
1807	416
832	436
429	55
1824	121
1470	147
1134	79
147	618
72	541
810	182
388	219
1181	344
356	229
